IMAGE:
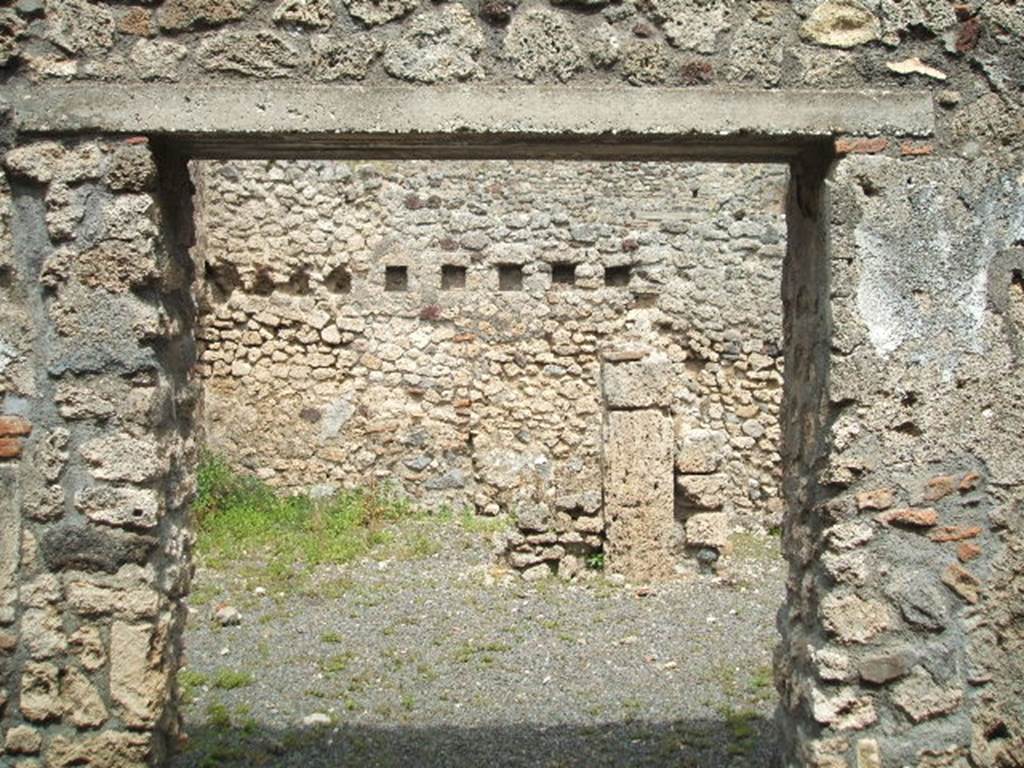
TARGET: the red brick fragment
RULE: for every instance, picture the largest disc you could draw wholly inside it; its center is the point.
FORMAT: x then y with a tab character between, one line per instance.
969	482
954	533
697	72
914	517
880	498
967	551
137	140
915	149
850	145
939	487
14	426
967	37
10	447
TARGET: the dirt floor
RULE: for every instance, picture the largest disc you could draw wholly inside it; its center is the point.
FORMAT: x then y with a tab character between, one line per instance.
425	654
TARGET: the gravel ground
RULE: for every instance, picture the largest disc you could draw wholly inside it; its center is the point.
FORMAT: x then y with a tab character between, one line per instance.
426	655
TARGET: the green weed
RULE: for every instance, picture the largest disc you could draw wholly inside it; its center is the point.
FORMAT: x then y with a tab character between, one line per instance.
218	715
337	663
229	679
238	515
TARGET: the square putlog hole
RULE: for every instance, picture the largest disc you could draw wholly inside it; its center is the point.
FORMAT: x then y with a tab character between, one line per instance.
396	278
453	277
510	277
618	277
563	273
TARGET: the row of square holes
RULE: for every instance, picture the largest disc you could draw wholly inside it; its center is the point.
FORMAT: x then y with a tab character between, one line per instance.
453	277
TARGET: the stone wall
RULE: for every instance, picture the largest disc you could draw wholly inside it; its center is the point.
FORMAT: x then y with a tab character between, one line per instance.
96	451
534	298
902	320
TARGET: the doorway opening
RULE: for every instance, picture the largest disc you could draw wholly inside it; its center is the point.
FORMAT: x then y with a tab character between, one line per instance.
555	353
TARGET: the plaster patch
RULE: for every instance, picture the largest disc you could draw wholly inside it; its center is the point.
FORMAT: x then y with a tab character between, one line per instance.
338	412
931	307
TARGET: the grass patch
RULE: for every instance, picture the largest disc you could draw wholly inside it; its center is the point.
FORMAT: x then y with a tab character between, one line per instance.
218	715
229	679
483	652
741	726
239	515
188	681
339	662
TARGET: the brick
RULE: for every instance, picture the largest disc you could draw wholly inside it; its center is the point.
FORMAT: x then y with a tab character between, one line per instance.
849	145
916	149
954	533
14	426
969	482
968	551
10	447
913	517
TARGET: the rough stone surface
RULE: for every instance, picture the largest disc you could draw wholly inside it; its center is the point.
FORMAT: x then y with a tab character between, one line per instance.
84	707
158	59
78	26
639	498
88	548
853	619
692	25
640	384
318	14
11	28
120	507
176	15
375	12
921	698
393	382
708	529
339	58
540	45
436	47
136	684
112	749
841	24
259	54
901	302
23	740
39	699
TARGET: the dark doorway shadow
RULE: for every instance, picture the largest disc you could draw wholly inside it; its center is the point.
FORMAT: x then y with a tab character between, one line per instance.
733	741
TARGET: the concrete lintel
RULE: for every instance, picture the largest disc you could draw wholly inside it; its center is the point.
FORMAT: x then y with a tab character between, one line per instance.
317	119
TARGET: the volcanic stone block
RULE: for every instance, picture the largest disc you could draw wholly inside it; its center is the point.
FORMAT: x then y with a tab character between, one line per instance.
708	529
637	384
639	494
137	685
87	548
10	537
703	491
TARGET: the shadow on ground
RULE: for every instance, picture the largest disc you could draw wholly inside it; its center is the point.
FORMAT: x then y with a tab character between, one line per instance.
732	741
